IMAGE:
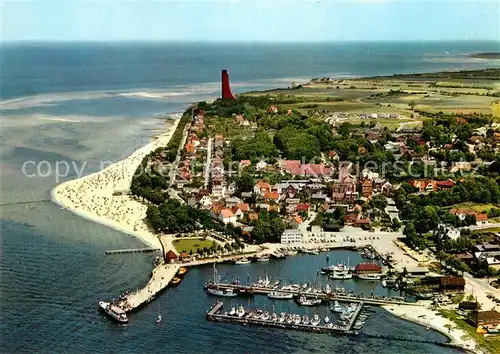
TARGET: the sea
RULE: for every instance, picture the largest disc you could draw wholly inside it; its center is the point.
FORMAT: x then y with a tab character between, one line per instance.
69	108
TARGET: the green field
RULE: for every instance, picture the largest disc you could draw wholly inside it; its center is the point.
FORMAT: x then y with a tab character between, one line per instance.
191	244
477	207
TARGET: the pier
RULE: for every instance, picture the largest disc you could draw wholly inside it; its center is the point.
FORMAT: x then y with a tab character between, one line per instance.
133	250
161	277
244	289
355	315
216	315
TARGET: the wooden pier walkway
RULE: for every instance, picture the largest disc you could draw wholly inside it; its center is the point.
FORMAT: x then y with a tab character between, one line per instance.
133	250
323	296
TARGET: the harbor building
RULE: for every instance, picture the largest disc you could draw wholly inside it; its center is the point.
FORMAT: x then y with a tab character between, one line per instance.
291	236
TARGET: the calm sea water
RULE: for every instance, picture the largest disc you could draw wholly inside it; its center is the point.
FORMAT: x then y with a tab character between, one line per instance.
85	103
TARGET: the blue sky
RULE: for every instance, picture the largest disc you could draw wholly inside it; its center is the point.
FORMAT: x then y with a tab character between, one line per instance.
245	20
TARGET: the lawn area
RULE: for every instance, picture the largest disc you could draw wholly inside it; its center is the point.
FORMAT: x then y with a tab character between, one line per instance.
492	344
477	207
191	244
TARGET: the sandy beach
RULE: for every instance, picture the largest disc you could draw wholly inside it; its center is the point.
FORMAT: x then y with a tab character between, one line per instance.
92	196
432	319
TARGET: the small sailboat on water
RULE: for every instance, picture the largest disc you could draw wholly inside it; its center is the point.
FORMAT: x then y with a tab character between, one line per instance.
158	316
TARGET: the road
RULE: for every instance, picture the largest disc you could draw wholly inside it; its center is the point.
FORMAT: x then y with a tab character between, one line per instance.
209	161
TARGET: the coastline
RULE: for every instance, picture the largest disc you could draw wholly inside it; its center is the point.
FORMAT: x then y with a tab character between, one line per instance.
91	196
426	317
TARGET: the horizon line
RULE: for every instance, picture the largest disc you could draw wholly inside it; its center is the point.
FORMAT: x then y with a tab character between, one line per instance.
181	41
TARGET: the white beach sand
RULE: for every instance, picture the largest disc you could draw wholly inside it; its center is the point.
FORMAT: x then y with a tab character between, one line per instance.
92	196
432	319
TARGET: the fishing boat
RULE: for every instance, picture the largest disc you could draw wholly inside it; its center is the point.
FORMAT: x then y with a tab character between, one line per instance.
303	301
219	292
280	295
336	307
182	271
341	275
242	261
113	311
175	280
369	276
316	320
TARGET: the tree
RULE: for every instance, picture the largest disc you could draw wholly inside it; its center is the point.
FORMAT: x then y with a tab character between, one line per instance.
396	225
245	182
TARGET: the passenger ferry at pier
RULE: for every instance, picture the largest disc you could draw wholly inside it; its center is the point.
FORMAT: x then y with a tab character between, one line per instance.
113	311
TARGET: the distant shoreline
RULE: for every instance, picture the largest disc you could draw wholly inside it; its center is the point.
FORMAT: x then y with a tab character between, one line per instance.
491	55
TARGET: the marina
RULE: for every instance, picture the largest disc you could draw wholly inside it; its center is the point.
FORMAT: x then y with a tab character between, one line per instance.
318	295
285	320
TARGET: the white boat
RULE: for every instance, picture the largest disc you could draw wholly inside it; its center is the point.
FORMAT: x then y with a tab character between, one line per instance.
327	319
328	289
329	325
218	292
158	318
305	320
240	312
383	283
340	275
287	287
308	302
297	319
316	320
336	307
263	259
265	316
113	311
232	312
279	295
242	261
369	276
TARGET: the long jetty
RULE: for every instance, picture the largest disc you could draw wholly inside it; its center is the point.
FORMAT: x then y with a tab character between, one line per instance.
161	277
246	289
133	250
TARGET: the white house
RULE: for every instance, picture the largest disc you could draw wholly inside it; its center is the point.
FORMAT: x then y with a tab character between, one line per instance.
227	216
218	191
206	201
260	165
392	147
291	236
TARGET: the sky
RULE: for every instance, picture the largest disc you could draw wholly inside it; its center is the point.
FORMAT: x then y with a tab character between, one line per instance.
249	20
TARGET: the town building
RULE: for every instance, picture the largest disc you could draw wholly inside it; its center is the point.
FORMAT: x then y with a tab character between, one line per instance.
484	318
291	236
452	284
368	268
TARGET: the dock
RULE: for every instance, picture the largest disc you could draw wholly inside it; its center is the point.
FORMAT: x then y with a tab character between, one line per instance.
368	300
133	250
161	277
216	315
